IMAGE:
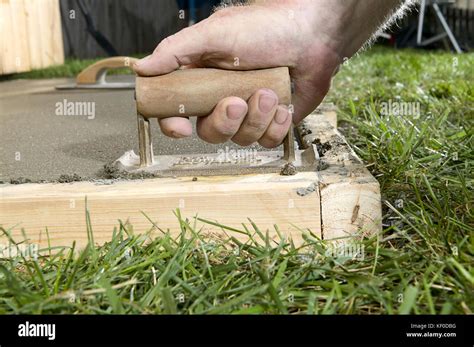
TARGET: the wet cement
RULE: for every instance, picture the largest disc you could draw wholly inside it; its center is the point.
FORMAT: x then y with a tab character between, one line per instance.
36	144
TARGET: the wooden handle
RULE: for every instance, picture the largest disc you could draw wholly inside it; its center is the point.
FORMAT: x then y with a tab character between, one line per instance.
195	92
95	73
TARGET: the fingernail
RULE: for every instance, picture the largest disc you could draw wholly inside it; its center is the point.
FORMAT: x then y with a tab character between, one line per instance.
281	116
236	111
266	102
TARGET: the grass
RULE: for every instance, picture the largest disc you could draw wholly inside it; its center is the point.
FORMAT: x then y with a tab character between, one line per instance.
70	68
422	263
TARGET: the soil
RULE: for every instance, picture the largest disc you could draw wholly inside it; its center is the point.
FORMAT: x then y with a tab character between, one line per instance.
288	170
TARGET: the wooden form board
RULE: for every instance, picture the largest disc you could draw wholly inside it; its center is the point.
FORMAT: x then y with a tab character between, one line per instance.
342	199
267	199
30	35
350	195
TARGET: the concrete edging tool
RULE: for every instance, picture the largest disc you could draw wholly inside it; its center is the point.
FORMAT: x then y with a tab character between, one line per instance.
195	93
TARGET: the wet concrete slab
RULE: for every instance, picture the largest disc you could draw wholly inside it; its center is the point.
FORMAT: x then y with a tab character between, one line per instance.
41	140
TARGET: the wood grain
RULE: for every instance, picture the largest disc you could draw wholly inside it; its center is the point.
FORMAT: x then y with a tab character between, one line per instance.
30	35
350	195
341	199
195	92
94	72
267	199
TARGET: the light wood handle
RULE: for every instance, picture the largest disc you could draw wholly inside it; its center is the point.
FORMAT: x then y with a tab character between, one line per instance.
195	92
95	73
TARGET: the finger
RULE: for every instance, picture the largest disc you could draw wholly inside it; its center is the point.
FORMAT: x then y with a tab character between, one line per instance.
224	122
176	127
309	92
278	128
182	48
262	107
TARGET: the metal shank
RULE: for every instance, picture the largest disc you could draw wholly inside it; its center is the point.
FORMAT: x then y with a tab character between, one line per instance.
145	146
289	145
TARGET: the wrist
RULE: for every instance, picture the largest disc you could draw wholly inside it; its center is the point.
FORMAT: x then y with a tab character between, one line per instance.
346	25
321	21
333	23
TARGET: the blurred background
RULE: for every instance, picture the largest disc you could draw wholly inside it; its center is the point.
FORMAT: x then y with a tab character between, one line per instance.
49	31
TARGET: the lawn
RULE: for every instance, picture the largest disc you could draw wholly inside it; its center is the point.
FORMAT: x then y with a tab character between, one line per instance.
422	263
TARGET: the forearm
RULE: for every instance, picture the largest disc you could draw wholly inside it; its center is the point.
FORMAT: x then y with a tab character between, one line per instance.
343	25
351	23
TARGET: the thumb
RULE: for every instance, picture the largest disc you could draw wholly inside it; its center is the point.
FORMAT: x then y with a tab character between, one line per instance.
182	48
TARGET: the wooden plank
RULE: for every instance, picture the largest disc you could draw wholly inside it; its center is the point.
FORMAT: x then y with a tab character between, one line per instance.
350	195
5	33
44	14
30	35
267	199
34	41
341	199
15	44
57	46
326	112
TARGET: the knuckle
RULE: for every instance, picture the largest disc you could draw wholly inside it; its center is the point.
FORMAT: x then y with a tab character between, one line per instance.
273	138
227	130
268	144
270	141
256	124
209	138
166	42
213	135
242	142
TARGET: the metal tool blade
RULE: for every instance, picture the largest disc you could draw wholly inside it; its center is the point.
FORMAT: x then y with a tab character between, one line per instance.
224	162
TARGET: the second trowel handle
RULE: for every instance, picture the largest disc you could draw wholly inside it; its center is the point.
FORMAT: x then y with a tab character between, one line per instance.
95	73
195	92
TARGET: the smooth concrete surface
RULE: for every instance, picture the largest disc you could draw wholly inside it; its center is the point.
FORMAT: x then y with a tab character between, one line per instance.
38	144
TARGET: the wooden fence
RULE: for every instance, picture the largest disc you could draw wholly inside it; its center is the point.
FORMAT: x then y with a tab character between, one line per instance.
30	35
461	22
464	4
131	26
459	16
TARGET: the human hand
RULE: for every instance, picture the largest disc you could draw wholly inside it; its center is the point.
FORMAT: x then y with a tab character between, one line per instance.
262	35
